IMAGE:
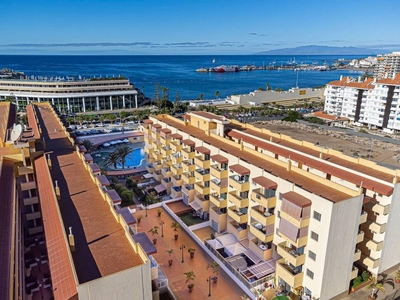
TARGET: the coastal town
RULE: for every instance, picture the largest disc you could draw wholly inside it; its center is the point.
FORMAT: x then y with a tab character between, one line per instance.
275	194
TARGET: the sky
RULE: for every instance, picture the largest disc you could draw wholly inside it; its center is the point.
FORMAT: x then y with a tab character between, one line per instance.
193	27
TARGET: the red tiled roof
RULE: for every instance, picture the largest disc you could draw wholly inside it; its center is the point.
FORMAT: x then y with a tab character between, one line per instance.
202	150
390	81
239	169
103	180
127	215
219	159
265	182
156	126
321	114
188	143
82	148
7	187
166	130
148	121
62	276
176	136
297	199
94	167
32	121
88	157
314	163
367	84
115	198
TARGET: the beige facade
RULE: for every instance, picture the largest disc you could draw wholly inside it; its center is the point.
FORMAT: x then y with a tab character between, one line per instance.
322	221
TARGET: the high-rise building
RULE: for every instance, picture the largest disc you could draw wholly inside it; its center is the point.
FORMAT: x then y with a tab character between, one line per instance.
370	102
387	65
285	212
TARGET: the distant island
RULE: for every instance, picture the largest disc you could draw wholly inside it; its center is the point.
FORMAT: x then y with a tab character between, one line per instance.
322	50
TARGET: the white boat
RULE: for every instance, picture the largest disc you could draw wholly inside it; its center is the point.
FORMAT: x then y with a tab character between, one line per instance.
106	144
223	68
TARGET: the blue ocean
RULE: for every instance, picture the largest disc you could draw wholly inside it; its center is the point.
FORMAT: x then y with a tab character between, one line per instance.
177	73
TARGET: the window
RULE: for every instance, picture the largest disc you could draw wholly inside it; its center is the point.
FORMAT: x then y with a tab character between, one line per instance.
317	215
310	274
279	214
314	236
280	196
312	255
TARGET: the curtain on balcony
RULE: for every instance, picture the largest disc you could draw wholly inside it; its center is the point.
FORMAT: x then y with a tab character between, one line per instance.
269	230
289	230
291	209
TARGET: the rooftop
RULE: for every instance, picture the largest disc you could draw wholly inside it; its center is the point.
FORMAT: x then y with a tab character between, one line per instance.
276	170
101	245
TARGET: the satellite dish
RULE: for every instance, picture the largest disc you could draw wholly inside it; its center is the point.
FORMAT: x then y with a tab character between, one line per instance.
16	132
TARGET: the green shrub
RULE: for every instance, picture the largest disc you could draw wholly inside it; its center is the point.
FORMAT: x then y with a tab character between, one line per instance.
126	198
357	281
314	120
119	188
130	183
363	131
114	179
365	275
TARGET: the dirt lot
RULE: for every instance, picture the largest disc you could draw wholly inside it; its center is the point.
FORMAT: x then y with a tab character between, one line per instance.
382	152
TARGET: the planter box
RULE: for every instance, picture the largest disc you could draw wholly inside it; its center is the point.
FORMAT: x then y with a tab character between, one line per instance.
359	287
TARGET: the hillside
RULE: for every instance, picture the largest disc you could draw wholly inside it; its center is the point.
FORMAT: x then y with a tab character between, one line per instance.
322	50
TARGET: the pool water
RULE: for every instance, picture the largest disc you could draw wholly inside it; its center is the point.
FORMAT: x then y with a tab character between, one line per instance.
134	159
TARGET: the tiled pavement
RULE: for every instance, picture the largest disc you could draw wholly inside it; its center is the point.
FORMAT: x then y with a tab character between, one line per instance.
224	289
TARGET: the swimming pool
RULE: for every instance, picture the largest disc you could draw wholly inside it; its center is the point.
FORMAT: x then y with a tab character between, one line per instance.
134	159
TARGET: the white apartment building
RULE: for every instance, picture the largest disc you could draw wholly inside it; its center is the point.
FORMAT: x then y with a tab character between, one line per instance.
72	96
387	65
311	218
371	102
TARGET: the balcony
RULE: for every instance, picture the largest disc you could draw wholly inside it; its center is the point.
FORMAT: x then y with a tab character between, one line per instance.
237	215
291	255
31	201
187	166
218	201
202	162
177	180
238	184
188	154
166	172
176	146
374	246
25	170
260	232
266	199
354	273
219	186
150	168
201	188
219	173
205	203
167	182
298	243
166	151
176	169
188	178
360	237
237	230
265	217
158	165
263	250
363	217
157	155
357	255
371	263
377	228
176	192
303	222
156	144
149	149
176	158
292	277
157	175
33	215
25	186
380	209
237	200
202	175
188	189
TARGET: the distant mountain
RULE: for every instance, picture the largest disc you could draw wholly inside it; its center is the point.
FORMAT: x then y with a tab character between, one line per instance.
322	50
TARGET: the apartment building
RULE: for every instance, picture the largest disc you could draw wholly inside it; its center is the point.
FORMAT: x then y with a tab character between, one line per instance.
387	65
72	96
62	236
374	103
309	217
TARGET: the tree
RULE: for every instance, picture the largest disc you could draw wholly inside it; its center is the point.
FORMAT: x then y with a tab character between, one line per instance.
268	86
126	198
130	183
278	89
261	88
190	276
121	153
200	97
217	94
375	286
111	160
88	145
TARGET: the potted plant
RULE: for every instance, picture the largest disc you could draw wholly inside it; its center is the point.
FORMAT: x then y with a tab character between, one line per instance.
212	236
139	218
215	269
190	276
159	211
175	226
153	232
191	251
397	276
170	251
375	286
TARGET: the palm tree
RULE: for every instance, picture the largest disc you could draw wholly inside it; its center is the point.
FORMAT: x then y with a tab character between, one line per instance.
190	276
375	286
88	145
217	94
111	160
122	152
101	119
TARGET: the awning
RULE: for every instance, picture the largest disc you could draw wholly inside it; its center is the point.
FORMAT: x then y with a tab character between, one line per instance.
148	176
195	205
265	182
160	188
240	169
103	180
234	249
144	241
215	244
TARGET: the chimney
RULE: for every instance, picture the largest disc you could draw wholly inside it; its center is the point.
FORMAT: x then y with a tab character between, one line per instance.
71	240
289	164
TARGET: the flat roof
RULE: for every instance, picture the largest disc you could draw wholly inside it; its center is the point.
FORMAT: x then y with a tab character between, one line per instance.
188	142
101	245
304	182
7	187
202	150
219	159
62	274
176	136
32	121
265	182
239	169
207	115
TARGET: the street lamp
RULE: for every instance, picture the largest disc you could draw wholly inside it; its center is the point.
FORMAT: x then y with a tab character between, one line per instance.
162	228
145	207
209	286
182	247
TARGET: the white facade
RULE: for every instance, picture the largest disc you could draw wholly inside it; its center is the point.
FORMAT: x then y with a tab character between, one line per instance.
387	65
